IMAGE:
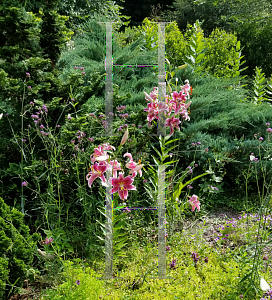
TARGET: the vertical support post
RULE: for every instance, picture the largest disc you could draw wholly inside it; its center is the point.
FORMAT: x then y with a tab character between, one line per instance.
109	132
161	131
161	223
109	231
109	89
161	77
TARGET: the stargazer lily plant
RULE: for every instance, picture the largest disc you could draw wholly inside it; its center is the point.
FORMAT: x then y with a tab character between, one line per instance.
120	183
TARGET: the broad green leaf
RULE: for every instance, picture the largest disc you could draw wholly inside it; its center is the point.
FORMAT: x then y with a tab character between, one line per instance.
156	161
181	185
238	46
171	141
200	58
157	152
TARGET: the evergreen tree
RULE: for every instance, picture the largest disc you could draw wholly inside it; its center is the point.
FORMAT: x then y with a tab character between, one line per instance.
54	33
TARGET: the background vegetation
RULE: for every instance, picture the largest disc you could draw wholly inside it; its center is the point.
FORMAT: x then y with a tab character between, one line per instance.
52	66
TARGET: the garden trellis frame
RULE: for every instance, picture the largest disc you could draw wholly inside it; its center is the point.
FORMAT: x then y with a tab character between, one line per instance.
161	131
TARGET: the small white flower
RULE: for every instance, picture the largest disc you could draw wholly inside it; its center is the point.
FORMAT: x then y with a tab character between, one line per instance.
176	79
264	285
251	157
1	115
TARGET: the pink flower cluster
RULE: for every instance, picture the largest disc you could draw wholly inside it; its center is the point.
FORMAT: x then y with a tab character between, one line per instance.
48	241
194	202
176	102
101	162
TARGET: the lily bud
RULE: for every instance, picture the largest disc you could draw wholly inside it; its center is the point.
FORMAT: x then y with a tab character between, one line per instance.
188	104
182	66
124	138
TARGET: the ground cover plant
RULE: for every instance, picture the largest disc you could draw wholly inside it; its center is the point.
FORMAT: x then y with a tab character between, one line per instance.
218	139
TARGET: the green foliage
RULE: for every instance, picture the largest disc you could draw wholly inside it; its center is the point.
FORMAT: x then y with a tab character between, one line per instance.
251	24
140	266
150	32
259	86
175	44
120	237
226	127
54	34
128	36
17	248
19	37
89	288
223	55
196	49
269	89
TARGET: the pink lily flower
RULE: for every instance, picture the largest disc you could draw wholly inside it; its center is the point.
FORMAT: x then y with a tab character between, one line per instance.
152	112
184	114
108	147
99	155
185	89
194	202
97	170
173	123
133	166
178	96
122	185
148	97
116	166
178	100
154	93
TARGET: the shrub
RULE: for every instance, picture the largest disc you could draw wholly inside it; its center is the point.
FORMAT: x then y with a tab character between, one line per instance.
223	55
17	248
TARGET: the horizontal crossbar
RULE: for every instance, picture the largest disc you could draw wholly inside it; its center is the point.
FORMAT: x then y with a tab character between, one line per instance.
134	208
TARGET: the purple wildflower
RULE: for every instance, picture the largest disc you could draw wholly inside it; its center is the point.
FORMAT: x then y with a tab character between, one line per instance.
173	264
195	257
